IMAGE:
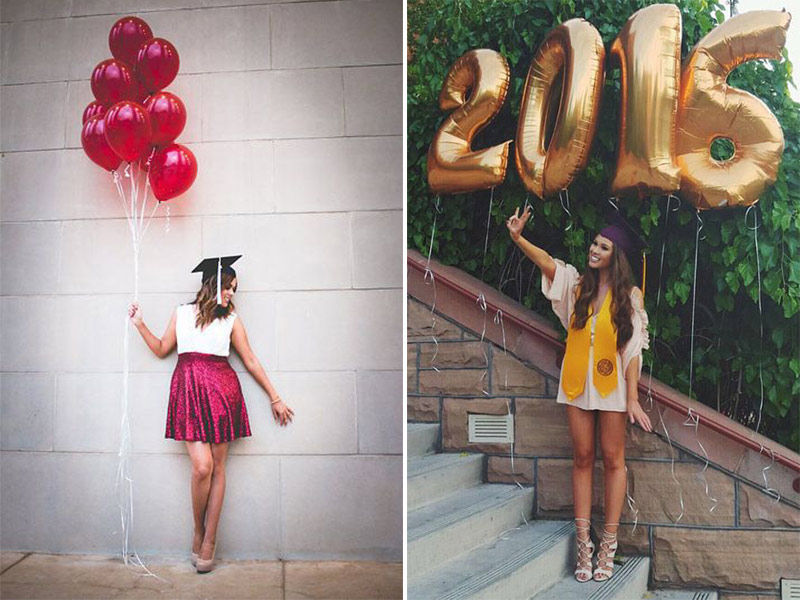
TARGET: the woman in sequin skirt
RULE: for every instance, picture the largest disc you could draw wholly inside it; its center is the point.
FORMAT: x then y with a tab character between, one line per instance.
206	407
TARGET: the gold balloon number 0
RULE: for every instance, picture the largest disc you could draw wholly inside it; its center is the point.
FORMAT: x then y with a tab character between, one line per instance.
669	115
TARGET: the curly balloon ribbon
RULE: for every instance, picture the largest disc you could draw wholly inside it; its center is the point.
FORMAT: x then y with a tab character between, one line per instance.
513	471
613	202
135	212
563	197
672	464
498	320
768	490
430	279
631	503
756	224
670	197
693	420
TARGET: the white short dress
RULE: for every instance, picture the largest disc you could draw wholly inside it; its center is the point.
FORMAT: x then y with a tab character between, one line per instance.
561	293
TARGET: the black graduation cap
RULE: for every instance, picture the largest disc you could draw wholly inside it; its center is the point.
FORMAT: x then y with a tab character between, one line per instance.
624	236
209	267
626	239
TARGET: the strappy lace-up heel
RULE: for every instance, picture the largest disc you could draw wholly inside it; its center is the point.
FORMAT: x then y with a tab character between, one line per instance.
583	568
605	555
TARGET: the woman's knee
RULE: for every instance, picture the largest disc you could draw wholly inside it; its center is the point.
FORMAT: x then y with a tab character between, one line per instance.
202	468
614	460
583	458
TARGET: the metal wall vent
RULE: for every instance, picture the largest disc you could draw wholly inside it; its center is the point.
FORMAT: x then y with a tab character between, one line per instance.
491	428
790	589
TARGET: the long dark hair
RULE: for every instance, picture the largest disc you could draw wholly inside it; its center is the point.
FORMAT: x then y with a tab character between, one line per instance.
621	286
206	301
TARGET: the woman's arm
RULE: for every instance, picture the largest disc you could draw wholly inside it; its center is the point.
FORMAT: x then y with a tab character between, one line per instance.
161	347
280	411
635	411
542	259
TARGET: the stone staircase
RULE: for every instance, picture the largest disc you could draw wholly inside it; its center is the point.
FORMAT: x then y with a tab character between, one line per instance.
470	539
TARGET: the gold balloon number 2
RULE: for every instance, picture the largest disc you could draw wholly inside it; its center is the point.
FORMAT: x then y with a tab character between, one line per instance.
669	115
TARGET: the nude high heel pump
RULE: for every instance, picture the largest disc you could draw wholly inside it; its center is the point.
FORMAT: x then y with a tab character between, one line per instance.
206	566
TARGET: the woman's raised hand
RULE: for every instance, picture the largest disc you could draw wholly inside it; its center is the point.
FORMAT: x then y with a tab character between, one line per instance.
135	313
282	413
516	222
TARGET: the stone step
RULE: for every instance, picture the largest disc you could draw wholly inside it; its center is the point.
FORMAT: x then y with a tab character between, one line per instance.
629	582
463	521
432	477
423	438
680	595
516	565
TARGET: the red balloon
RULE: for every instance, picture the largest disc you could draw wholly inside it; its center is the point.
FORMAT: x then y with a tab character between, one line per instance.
172	171
94	108
167	117
112	82
157	64
126	36
93	139
128	129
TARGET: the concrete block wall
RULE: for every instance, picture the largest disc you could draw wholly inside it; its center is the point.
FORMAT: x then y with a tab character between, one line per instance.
295	116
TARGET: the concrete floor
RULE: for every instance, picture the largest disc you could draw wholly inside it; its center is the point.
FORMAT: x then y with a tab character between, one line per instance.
33	576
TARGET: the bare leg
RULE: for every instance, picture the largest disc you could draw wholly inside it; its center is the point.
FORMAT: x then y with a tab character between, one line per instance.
202	468
612	443
581	429
215	498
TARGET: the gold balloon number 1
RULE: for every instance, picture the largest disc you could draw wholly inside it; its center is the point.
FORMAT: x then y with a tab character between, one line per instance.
669	116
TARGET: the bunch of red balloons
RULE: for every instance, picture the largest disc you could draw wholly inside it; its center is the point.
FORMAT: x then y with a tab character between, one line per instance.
132	118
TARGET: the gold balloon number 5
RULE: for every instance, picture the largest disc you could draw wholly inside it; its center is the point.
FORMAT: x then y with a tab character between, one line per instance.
669	116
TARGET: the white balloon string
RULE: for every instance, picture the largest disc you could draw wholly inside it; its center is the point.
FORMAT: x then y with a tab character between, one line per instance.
124	478
672	463
670	197
511	444
693	420
613	202
486	239
431	280
166	224
754	229
481	299
658	301
694	300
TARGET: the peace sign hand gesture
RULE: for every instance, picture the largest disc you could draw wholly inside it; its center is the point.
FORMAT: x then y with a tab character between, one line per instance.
516	222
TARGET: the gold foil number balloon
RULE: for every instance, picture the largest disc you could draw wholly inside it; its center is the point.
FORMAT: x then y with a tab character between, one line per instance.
709	108
453	167
575	49
648	51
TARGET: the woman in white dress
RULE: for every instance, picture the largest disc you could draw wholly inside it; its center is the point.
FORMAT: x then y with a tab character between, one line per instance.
604	315
206	407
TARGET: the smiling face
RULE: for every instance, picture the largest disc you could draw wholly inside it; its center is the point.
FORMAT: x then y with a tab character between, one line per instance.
228	291
600	252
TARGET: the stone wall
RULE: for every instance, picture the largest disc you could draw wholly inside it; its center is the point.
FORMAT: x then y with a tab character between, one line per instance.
747	542
295	116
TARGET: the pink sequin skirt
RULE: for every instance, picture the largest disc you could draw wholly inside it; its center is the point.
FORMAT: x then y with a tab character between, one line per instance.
205	400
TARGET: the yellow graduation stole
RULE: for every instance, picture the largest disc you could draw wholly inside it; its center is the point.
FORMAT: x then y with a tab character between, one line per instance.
576	358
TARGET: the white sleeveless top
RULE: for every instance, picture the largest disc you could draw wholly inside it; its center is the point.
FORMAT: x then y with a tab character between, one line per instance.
214	339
